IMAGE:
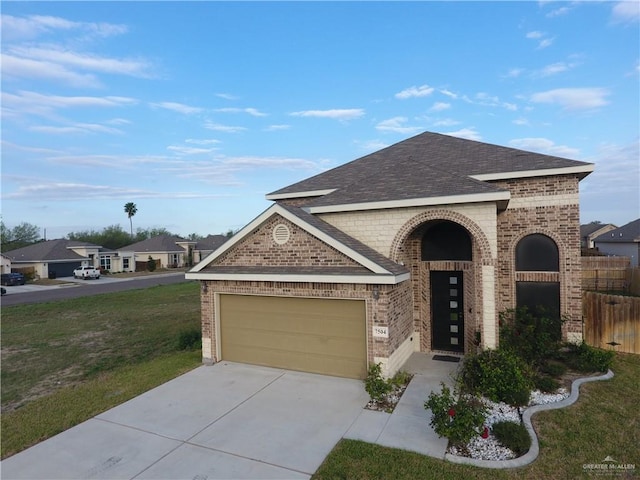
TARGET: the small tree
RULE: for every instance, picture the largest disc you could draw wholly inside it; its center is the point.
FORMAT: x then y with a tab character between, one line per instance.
130	209
151	264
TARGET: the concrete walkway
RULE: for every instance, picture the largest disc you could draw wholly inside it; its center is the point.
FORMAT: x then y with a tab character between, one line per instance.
235	421
408	426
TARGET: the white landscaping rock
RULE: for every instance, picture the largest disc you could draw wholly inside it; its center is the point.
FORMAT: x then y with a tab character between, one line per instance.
489	448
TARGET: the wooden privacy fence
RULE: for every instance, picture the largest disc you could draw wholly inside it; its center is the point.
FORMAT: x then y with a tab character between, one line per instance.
610	320
605	274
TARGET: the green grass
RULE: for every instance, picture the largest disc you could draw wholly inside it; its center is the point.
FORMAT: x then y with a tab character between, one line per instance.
52	345
65	362
604	421
71	405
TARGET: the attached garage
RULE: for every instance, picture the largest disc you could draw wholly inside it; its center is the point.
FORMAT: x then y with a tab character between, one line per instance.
63	269
318	335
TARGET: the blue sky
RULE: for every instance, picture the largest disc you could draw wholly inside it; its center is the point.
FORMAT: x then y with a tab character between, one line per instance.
195	110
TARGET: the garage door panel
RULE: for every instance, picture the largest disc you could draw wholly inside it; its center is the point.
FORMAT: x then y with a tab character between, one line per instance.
320	344
315	335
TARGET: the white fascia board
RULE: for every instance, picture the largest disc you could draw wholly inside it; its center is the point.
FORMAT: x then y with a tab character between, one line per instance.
586	169
413	202
310	193
293	278
365	262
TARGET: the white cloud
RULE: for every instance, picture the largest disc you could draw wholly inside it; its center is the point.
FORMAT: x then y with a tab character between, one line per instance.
178	107
421	91
33	26
227	96
514	72
486	100
15	67
216	127
446	122
397	125
83	61
521	121
545	146
626	11
468	133
558	12
448	93
554	69
543	38
277	128
185	150
372	145
573	98
547	42
210	141
336	114
33	102
440	106
71	191
251	111
82	128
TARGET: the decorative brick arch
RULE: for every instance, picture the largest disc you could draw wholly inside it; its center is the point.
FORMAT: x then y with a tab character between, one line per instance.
552	235
476	232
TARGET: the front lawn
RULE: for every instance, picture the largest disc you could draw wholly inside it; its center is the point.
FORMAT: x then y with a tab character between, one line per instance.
605	421
67	361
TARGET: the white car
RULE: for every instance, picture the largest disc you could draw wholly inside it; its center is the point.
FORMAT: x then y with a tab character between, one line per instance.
86	273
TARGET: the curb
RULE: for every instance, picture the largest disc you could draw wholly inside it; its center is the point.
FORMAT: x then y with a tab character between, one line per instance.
533	452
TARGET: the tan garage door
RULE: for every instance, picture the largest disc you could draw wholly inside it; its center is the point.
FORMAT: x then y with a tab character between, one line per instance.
312	335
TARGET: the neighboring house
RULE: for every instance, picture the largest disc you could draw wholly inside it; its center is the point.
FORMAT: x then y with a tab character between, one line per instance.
169	251
5	266
59	258
416	247
592	230
206	245
623	242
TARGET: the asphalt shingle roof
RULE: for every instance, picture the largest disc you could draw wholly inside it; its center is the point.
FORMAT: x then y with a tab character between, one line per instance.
159	243
628	233
49	251
427	165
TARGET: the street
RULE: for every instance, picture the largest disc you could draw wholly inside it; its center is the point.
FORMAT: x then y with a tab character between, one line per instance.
25	294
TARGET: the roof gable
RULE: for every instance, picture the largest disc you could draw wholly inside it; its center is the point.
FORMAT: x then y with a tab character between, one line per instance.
324	251
49	250
159	243
629	233
429	165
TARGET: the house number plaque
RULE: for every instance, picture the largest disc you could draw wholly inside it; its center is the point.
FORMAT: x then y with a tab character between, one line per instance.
381	332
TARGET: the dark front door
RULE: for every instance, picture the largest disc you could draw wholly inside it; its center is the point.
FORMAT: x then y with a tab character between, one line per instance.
447	311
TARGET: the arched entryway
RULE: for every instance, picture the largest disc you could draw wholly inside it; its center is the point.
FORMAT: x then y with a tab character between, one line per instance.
452	277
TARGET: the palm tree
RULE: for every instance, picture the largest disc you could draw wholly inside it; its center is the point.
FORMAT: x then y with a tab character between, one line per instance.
130	209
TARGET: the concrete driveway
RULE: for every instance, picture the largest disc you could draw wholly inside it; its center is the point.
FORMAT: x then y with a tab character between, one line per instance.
224	421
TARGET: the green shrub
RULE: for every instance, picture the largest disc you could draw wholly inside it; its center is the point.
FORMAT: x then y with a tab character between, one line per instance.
546	384
535	336
585	358
512	435
151	264
400	379
376	386
553	368
459	419
499	375
190	339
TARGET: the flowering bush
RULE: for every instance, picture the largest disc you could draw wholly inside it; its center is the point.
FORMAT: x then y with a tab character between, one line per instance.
457	419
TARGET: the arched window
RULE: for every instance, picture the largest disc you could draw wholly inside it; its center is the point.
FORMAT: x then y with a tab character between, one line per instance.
537	253
446	241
